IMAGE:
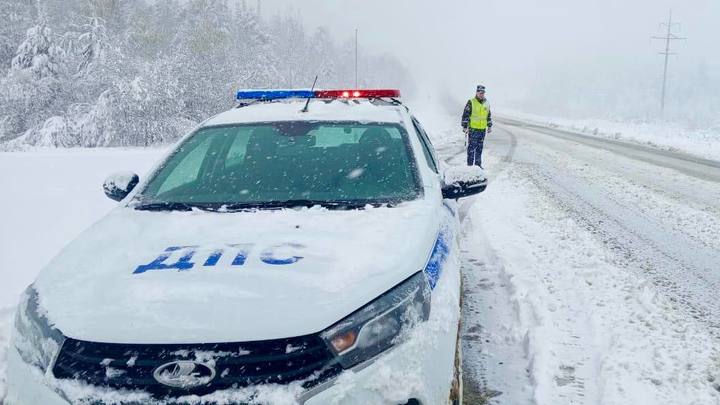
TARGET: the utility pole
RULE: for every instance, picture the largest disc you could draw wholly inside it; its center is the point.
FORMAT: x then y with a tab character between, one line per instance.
356	58
667	38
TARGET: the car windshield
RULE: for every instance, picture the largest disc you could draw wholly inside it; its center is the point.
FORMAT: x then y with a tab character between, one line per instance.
286	163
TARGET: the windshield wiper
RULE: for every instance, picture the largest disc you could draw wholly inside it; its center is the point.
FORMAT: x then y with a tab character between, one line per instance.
259	205
347	204
270	205
166	206
330	204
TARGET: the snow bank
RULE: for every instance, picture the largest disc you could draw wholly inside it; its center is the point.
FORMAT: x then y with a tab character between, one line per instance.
703	142
582	327
6	317
49	196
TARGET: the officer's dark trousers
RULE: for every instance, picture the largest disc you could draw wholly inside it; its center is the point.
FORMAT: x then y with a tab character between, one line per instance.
476	138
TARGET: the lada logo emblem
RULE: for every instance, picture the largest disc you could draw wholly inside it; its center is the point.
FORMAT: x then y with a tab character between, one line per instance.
184	374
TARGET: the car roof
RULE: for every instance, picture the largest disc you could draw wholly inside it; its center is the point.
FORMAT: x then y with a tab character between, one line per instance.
319	110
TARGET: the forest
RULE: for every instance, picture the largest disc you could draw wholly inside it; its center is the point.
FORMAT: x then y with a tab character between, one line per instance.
97	73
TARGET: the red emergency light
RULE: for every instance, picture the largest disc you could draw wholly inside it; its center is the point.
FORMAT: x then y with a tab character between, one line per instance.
359	93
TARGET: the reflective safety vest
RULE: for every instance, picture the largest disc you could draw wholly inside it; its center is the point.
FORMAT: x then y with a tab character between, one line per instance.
479	114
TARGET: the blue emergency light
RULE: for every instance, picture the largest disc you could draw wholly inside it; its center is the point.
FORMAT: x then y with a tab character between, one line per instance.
273	94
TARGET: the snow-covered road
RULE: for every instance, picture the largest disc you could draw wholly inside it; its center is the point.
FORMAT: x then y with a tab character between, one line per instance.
590	268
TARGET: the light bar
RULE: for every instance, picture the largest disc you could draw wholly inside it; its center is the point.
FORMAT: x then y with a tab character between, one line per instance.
358	93
265	95
273	94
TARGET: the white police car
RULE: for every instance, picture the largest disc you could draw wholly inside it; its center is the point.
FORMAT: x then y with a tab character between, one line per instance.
279	254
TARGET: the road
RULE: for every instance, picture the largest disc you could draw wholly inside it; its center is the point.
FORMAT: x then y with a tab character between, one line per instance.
654	214
660	210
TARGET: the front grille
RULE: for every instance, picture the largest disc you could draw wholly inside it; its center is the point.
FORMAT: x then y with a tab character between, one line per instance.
237	365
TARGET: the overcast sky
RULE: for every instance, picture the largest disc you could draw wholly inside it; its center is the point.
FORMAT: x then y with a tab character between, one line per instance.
516	47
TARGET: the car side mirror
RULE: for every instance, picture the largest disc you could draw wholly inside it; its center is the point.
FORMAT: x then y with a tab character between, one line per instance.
463	181
118	185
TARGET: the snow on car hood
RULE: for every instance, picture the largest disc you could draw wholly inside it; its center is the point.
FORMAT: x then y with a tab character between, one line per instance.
190	277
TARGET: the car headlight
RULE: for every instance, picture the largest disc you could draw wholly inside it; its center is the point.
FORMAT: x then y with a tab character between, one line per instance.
380	324
36	340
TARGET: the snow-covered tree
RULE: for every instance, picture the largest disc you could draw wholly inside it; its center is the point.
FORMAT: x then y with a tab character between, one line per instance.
39	53
31	88
139	72
290	44
92	44
322	58
17	16
253	60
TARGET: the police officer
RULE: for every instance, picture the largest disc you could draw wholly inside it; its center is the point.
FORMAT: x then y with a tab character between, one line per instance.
476	122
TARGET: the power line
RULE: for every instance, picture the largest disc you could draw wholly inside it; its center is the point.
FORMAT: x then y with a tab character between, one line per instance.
668	39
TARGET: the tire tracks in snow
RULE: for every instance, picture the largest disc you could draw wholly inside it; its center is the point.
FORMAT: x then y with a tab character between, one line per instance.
506	316
679	266
479	281
500	366
495	367
684	268
493	363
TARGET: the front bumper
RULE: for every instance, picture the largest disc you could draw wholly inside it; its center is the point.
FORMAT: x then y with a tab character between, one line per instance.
27	384
419	369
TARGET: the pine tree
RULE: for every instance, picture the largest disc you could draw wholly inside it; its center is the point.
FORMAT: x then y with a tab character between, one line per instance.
17	17
322	58
254	63
93	44
39	54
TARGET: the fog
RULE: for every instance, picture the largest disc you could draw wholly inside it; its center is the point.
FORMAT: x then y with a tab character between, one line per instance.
560	57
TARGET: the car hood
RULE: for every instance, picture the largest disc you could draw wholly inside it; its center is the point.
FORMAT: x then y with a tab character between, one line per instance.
191	277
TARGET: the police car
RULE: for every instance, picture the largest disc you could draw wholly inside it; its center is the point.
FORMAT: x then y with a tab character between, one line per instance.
300	248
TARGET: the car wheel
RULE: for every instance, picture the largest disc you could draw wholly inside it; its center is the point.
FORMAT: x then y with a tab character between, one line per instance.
456	390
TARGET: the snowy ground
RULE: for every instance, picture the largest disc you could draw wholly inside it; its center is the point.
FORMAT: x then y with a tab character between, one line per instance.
588	275
49	197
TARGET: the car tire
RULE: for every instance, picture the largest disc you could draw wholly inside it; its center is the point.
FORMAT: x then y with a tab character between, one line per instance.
456	389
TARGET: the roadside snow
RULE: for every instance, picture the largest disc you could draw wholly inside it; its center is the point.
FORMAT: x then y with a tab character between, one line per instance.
6	316
50	196
580	329
702	142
